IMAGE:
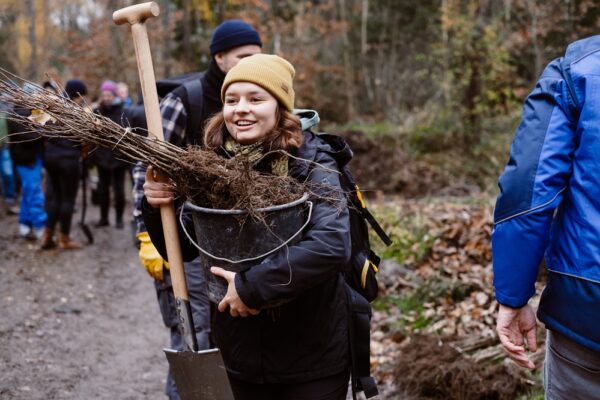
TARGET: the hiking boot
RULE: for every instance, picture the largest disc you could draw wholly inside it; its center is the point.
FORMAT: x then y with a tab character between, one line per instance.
24	231
12	210
102	223
47	242
36	233
65	242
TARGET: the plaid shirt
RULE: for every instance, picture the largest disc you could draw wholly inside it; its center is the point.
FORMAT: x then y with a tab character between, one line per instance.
174	120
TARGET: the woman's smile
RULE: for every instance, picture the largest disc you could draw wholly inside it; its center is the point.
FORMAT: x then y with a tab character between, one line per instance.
244	124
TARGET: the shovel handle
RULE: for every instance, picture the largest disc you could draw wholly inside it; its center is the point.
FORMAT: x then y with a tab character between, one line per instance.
136	16
136	13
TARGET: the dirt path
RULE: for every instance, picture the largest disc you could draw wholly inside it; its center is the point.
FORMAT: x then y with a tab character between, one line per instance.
78	325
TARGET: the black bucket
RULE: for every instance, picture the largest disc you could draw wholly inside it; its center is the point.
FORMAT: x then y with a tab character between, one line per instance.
232	240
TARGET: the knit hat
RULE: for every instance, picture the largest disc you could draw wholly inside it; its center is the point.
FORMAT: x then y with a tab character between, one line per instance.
268	71
75	88
109	86
233	33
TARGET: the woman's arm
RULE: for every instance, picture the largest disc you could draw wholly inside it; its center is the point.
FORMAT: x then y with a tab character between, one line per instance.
320	255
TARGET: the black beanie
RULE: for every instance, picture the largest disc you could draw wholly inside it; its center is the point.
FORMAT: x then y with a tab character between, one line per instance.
233	33
75	88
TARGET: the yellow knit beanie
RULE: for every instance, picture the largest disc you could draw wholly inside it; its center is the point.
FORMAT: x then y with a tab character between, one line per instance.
268	71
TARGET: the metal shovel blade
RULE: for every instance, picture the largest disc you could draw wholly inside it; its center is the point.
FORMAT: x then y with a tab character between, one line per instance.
199	375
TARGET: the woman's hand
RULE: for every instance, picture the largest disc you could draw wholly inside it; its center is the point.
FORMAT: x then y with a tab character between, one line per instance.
237	308
158	193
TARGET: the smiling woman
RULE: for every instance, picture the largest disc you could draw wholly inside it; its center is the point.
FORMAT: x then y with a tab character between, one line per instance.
282	325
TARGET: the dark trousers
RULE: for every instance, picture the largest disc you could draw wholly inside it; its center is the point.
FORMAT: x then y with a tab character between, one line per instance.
330	388
571	370
200	305
61	192
114	177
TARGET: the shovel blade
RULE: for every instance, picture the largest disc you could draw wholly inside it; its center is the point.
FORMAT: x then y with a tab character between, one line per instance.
199	375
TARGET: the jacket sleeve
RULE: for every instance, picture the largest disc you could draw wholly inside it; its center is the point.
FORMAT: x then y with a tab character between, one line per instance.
531	187
174	120
139	178
321	253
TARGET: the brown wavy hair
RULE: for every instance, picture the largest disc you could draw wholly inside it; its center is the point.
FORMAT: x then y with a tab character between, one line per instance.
286	135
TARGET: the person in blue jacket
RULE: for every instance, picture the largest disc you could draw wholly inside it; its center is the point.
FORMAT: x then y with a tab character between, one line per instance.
549	206
26	151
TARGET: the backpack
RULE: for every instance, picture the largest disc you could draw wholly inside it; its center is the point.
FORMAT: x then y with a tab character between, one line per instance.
189	89
361	273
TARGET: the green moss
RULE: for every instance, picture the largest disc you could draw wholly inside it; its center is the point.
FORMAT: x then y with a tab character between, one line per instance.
411	239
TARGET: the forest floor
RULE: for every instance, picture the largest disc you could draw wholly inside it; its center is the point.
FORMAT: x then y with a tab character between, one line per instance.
79	324
85	324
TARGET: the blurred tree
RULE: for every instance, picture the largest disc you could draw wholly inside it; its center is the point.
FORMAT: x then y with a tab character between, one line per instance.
438	67
33	60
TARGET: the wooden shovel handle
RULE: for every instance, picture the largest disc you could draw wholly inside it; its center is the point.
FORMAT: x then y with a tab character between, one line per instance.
136	16
136	13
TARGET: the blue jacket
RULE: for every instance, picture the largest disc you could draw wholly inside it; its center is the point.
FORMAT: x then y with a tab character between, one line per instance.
549	202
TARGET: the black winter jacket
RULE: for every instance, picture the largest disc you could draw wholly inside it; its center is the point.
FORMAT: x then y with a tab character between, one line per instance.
62	150
306	338
107	158
25	146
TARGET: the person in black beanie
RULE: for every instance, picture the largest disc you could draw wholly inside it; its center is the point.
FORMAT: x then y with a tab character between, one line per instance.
231	41
62	163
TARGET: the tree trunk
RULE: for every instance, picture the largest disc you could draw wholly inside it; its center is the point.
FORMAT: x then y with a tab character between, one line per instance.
116	64
446	51
186	41
46	39
348	73
363	27
537	51
507	10
364	48
33	67
167	48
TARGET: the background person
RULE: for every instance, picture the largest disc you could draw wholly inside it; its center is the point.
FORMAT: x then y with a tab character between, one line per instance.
62	161
26	150
111	167
123	93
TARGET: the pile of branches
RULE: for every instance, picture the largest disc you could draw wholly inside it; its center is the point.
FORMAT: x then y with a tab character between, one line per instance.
206	178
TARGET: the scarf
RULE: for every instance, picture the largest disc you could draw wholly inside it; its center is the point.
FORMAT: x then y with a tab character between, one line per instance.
277	164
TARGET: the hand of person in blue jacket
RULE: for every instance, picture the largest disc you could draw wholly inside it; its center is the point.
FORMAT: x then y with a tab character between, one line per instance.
237	308
517	327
